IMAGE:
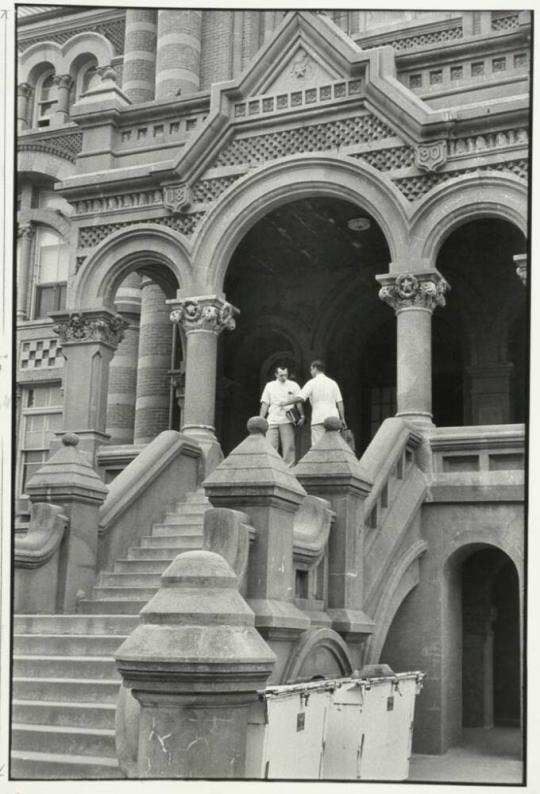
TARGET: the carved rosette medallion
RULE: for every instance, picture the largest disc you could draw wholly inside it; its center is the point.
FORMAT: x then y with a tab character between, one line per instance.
205	314
431	156
177	198
409	291
107	328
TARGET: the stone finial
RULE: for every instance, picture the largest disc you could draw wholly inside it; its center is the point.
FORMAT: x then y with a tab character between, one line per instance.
408	290
257	425
67	475
332	423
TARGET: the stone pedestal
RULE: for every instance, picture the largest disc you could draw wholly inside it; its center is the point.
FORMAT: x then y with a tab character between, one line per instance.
255	480
26	233
67	480
138	79
63	83
195	664
490	394
331	471
414	297
178	52
89	340
24	93
202	319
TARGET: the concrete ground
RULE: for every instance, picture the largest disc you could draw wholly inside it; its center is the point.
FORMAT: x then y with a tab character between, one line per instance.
484	756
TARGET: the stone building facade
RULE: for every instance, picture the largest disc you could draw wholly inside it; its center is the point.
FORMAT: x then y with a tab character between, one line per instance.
203	194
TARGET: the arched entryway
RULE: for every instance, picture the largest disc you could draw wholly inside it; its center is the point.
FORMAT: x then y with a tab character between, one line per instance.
303	278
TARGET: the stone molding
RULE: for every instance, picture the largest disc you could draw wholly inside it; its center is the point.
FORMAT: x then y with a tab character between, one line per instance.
205	314
89	327
407	291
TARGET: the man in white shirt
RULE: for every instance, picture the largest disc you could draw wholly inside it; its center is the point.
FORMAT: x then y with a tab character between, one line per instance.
325	398
280	427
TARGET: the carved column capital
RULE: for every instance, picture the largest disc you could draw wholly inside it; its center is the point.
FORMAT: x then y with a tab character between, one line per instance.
25	90
522	266
93	326
63	80
205	313
421	291
26	229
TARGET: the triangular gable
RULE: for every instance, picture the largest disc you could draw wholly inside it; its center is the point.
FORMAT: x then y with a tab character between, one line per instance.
308	62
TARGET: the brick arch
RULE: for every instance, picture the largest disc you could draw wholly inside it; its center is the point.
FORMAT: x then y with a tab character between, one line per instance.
293	178
159	252
461	200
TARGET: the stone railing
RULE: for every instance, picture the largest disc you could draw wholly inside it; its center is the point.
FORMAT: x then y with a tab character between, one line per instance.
161	474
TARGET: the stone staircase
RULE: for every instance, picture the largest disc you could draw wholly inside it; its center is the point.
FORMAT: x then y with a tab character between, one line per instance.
65	683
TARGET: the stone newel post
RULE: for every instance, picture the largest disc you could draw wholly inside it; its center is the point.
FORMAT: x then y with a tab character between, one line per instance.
88	340
203	319
195	664
414	297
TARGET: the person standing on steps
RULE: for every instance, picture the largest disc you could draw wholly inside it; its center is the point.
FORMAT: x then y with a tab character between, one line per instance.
280	427
325	398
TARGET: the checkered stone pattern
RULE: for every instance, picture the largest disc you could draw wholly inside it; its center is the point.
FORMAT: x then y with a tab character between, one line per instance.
509	22
415	187
208	190
41	354
309	138
89	236
114	30
388	159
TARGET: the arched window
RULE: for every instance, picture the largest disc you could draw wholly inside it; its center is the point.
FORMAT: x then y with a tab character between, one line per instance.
45	100
86	77
52	263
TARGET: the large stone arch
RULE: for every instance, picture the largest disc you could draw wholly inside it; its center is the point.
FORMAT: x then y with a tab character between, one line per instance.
32	161
460	200
465	543
142	246
335	660
291	179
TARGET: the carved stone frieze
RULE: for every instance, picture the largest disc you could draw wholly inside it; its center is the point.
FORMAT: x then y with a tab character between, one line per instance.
407	290
92	327
205	314
431	156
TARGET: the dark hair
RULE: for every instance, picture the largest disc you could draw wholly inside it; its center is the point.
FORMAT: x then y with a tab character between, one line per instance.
280	366
318	364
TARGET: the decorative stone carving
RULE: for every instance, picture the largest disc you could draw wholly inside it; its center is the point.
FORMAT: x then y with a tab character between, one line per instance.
206	314
414	291
301	67
107	73
25	90
108	328
63	80
25	230
431	156
177	198
521	261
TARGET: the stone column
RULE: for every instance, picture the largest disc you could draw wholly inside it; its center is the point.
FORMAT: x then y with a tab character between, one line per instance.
139	76
521	262
203	319
67	479
123	370
153	380
63	83
331	471
195	664
24	93
178	52
24	268
414	297
89	340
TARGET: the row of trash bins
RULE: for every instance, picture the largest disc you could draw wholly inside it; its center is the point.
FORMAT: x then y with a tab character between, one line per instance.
357	728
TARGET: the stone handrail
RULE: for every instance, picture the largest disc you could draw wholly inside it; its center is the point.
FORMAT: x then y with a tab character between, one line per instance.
311	529
163	473
391	450
45	533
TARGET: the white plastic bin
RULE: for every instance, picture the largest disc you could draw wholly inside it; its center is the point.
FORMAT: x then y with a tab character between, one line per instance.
369	728
286	731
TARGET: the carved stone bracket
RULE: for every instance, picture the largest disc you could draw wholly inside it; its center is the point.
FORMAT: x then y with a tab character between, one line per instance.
90	327
206	314
177	198
407	290
107	73
431	156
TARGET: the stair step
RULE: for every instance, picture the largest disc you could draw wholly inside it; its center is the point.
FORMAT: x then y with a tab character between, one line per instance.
178	530
122	592
56	644
142	566
55	738
180	542
82	715
116	606
184	519
196	497
158	553
82	623
26	765
68	666
129	579
65	689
